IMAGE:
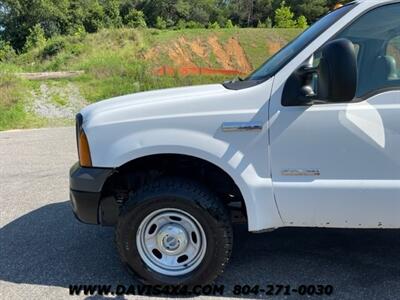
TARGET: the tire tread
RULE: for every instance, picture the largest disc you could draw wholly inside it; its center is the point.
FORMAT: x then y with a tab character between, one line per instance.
201	196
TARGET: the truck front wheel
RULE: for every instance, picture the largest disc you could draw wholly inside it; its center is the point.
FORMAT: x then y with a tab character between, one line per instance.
174	232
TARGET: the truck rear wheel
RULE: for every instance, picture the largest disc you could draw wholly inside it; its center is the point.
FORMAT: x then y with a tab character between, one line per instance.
174	232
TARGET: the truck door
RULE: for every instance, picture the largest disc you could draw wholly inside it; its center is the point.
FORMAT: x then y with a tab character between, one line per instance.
338	164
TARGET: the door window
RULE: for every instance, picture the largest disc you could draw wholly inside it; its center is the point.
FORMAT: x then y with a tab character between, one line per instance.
376	37
373	32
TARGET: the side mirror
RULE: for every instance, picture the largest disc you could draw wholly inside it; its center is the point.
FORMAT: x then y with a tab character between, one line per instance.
337	72
336	77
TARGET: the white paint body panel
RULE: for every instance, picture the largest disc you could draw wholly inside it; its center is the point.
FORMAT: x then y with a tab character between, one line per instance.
355	147
188	121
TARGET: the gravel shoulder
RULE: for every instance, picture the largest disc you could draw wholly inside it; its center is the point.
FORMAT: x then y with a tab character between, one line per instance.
43	249
53	101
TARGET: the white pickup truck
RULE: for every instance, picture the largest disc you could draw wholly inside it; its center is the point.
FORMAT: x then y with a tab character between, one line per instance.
310	139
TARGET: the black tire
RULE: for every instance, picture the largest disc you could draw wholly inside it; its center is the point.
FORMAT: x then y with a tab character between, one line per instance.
192	198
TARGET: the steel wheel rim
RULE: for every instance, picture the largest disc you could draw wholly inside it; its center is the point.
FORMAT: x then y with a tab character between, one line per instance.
171	242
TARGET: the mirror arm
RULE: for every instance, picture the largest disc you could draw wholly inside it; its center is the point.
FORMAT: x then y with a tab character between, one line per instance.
306	70
308	94
299	88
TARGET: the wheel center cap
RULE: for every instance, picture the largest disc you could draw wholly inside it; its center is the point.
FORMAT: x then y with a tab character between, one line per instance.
171	243
172	239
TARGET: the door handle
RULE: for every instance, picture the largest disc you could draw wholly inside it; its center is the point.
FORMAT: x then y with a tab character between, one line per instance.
242	126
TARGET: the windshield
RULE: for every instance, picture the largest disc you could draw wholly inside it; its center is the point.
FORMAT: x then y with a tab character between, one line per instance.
280	59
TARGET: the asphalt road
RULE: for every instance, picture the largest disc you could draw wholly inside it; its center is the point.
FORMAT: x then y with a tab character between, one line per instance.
43	249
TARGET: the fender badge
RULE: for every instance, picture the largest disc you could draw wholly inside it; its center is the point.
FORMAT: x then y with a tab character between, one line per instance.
300	172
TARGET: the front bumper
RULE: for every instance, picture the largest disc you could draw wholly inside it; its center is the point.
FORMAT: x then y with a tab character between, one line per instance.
86	185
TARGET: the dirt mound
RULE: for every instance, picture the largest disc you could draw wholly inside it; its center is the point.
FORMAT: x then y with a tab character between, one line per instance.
185	53
151	54
185	71
235	51
219	52
199	48
231	55
179	54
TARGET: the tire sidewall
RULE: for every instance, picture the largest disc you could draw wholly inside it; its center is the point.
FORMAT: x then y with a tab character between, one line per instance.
133	216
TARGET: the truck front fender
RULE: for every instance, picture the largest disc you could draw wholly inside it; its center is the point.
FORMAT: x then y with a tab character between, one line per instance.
232	157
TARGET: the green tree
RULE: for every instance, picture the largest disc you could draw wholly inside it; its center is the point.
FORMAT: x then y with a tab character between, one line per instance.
77	11
87	14
268	23
193	25
181	24
261	24
284	17
183	8
7	52
262	10
199	14
93	18
18	17
229	24
247	13
214	25
200	11
302	22
166	9
60	17
312	9
35	39
161	23
112	13
135	19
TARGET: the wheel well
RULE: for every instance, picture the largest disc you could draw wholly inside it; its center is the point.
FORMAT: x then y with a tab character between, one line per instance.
136	173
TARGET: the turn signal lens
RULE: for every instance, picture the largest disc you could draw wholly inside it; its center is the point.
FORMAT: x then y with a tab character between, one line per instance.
84	152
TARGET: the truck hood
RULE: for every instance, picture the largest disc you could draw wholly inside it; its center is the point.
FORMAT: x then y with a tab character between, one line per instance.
159	103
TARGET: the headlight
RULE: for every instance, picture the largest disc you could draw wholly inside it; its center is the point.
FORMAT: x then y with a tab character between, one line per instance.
85	159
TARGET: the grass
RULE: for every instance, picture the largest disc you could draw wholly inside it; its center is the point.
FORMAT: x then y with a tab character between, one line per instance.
114	65
13	115
59	100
